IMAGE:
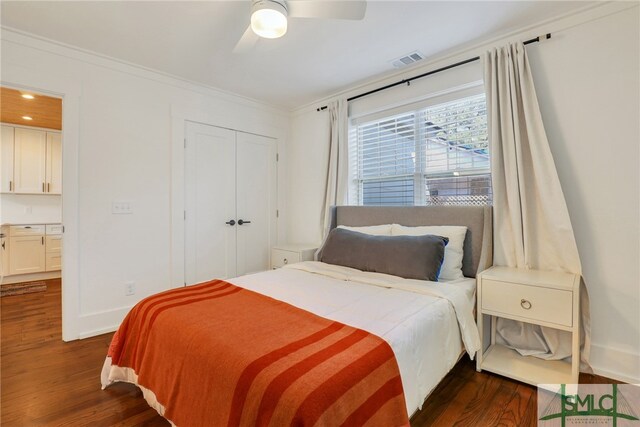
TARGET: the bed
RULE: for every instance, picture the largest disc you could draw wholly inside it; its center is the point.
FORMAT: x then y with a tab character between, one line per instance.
417	330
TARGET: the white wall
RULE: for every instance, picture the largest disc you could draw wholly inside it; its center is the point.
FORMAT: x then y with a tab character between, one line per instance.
30	209
588	84
125	144
587	79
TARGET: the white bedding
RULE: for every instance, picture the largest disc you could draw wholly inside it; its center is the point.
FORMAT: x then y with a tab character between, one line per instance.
422	321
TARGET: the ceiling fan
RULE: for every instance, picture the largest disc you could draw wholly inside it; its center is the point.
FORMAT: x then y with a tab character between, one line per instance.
269	18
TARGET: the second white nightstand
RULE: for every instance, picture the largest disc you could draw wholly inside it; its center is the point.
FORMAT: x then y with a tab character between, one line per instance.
544	298
284	254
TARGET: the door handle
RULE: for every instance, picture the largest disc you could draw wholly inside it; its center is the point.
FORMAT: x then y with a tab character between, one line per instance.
232	222
241	221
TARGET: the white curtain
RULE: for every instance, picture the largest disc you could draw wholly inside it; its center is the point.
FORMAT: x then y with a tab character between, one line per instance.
532	228
338	165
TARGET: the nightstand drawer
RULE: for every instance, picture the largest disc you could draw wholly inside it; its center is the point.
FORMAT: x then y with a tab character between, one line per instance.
528	302
280	258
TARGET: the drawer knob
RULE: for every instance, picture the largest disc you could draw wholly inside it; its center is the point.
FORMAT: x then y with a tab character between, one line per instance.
286	261
526	304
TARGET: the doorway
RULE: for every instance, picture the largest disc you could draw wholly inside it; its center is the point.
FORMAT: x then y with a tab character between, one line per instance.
30	194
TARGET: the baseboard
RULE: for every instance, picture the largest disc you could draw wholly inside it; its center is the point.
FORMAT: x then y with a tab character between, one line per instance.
615	364
96	332
31	277
93	324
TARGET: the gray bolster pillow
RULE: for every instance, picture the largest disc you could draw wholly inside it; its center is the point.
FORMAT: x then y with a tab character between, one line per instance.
411	257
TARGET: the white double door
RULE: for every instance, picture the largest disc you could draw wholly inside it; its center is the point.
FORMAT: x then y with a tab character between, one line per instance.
230	202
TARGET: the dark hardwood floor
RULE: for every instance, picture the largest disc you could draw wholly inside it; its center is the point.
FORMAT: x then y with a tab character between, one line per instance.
47	382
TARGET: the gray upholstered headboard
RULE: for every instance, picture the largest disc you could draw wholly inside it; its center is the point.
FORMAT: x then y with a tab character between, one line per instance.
478	244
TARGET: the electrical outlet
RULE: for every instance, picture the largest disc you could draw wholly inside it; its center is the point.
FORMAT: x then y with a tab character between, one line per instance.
121	208
129	288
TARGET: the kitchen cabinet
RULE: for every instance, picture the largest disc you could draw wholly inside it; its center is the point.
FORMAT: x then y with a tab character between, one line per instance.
27	254
32	249
30	147
31	161
53	169
6	159
4	251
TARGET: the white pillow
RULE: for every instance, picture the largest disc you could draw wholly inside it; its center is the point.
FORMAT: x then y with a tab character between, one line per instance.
374	230
454	251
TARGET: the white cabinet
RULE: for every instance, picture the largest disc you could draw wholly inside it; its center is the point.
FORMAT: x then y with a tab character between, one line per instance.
53	229
30	149
4	251
31	161
6	159
32	248
230	202
53	253
54	164
285	254
53	247
27	230
27	254
543	298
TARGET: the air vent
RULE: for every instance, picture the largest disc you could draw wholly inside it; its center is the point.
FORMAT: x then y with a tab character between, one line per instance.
408	59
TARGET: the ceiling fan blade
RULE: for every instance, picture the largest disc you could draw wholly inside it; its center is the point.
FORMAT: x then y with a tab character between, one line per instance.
353	10
247	41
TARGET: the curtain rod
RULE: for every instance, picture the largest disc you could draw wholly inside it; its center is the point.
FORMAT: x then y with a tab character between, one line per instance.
428	73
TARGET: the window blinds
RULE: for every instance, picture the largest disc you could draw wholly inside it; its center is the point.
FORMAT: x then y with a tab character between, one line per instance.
436	156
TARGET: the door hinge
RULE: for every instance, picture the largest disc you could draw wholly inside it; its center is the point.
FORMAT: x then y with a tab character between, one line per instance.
63	229
185	143
277	213
185	215
277	157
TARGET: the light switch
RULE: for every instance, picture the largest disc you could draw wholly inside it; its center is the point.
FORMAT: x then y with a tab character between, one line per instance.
121	208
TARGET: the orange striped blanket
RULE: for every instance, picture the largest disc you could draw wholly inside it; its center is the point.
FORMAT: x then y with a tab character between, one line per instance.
216	354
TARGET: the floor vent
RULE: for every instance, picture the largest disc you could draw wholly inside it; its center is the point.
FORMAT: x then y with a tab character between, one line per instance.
409	59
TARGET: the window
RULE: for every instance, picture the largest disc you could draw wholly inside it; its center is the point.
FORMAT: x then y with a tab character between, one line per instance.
437	155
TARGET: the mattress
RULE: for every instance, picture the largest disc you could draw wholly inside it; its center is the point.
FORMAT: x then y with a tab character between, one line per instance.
427	324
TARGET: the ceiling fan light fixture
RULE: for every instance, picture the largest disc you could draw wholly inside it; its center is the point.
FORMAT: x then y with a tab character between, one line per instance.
269	19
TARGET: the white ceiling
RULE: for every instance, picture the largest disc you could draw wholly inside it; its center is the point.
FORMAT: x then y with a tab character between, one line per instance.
316	58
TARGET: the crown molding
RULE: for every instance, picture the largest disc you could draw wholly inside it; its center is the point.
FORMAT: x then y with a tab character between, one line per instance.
554	25
33	41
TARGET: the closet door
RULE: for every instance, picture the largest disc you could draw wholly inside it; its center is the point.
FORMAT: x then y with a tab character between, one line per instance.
210	203
256	195
29	163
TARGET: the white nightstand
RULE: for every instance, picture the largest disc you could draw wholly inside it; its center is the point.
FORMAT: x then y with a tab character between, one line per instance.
284	254
544	298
